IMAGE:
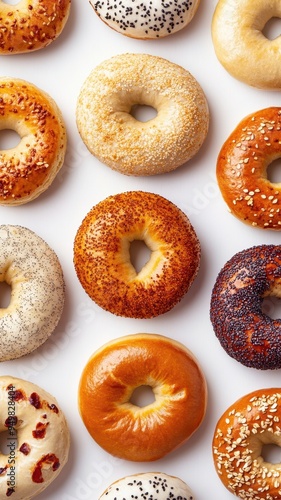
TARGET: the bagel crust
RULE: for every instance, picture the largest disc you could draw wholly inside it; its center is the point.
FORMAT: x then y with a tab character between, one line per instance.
241	432
242	169
28	169
244	331
144	433
31	24
240	45
38	438
144	19
33	271
153	483
130	146
102	254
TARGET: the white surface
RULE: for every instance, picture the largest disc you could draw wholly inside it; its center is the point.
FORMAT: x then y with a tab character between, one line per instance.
55	216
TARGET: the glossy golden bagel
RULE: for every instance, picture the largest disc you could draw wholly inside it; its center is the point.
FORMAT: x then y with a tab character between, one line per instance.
111	376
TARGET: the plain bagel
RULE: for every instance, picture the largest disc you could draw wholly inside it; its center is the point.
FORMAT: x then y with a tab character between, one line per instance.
116	370
241	46
132	147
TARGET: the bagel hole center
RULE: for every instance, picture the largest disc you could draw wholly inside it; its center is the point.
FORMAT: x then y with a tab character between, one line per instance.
5	294
9	442
9	139
142	396
271	306
274	171
271	453
272	28
143	112
139	254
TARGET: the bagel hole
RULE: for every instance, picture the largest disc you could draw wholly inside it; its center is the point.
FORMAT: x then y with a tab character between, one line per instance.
9	139
274	171
142	396
5	294
271	453
143	113
139	254
271	306
8	442
272	28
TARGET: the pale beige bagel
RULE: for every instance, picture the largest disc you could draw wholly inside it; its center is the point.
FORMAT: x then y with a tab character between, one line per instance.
240	45
31	24
28	169
144	19
130	146
241	432
102	254
38	439
150	432
156	485
33	271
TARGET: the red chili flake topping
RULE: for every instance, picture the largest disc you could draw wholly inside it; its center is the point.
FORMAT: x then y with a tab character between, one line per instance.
11	421
54	408
49	459
44	415
3	469
34	400
40	431
9	492
18	395
25	448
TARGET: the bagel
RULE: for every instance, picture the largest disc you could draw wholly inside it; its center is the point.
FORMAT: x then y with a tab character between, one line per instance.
102	254
242	169
38	439
28	169
31	25
245	332
157	486
107	384
240	45
240	434
33	271
146	20
132	147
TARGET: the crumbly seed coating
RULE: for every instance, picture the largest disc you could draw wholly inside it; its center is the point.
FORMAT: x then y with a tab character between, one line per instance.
130	146
33	271
244	331
31	24
150	485
145	19
102	254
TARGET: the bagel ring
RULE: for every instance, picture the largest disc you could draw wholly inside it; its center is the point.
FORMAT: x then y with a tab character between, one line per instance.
102	254
33	271
245	332
240	45
242	169
132	147
31	25
38	439
28	169
241	432
111	376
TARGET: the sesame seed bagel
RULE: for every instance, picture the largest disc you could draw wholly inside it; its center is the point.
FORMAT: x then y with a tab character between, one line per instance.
241	46
38	439
126	144
28	169
33	271
144	19
102	254
242	169
31	24
156	485
245	332
245	427
116	370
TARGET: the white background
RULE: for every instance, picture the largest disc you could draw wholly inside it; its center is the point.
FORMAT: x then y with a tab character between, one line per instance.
56	215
